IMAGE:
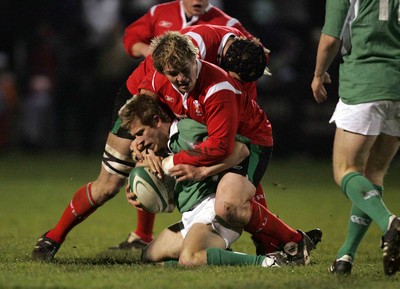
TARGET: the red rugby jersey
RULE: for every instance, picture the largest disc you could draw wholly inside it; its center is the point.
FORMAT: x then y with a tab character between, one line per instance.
171	16
217	101
210	40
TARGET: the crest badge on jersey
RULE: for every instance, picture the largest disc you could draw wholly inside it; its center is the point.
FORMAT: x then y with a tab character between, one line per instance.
197	107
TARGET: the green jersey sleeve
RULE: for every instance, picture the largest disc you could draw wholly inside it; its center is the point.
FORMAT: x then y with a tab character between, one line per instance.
335	16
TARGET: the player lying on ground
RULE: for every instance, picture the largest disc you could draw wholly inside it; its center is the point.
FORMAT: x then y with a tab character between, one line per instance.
199	238
151	125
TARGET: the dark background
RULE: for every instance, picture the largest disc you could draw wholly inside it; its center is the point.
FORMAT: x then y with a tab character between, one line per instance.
62	62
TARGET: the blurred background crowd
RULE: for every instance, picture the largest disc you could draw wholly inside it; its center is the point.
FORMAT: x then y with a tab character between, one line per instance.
62	63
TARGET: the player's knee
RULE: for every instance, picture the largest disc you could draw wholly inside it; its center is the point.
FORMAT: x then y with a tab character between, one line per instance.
102	191
229	214
144	257
188	258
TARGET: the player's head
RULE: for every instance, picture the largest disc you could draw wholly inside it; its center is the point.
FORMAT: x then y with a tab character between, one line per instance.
195	7
246	58
148	121
174	55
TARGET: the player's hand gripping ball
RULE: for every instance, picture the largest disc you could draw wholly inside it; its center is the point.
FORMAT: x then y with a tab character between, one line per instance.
155	195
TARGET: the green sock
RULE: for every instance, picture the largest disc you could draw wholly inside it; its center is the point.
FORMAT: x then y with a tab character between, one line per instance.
366	197
171	263
357	227
217	256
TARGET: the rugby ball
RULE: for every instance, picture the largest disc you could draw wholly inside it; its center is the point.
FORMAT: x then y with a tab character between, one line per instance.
155	195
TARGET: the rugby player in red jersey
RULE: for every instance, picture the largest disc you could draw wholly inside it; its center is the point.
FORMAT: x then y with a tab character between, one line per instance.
173	16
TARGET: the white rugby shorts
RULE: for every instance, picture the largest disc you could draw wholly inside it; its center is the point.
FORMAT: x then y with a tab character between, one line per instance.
204	213
371	118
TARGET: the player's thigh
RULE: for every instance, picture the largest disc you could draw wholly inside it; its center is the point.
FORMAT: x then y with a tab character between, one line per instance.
198	239
117	158
167	245
115	168
121	145
350	152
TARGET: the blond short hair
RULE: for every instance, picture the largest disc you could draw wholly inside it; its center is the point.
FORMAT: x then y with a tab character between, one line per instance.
174	49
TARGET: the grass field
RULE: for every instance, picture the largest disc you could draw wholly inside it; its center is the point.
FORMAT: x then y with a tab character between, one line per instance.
35	189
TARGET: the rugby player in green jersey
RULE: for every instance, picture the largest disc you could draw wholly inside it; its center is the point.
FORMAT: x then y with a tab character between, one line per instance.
201	237
367	116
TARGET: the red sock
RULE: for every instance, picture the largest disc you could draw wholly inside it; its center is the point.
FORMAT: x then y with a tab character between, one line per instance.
259	196
270	244
263	221
265	244
80	207
145	225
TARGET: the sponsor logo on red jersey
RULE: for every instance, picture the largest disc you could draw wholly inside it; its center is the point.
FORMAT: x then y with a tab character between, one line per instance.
165	24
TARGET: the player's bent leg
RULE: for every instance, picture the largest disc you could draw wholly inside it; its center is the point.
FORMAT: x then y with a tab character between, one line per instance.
116	166
88	198
117	160
106	186
205	245
232	200
198	239
166	246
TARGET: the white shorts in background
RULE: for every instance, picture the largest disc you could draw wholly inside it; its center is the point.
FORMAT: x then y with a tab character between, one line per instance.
372	118
204	213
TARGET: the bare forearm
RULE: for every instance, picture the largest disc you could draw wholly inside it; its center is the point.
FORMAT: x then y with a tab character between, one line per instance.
327	50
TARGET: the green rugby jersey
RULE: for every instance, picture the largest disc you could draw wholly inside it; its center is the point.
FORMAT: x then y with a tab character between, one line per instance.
184	135
371	30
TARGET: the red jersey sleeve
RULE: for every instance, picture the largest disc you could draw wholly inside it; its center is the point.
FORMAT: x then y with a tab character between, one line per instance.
157	20
139	31
222	121
139	74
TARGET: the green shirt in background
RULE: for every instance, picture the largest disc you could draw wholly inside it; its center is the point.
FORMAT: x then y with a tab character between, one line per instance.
371	69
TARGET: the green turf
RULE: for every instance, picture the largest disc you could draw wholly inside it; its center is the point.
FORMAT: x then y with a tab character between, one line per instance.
35	189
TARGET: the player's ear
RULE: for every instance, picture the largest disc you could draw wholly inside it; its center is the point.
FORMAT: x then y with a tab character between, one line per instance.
157	121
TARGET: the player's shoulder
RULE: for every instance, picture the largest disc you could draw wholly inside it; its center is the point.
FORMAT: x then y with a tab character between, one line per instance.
159	82
215	29
208	67
213	76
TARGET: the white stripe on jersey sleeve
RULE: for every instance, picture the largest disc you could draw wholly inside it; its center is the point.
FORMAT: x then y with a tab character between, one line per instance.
200	42
221	86
232	22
